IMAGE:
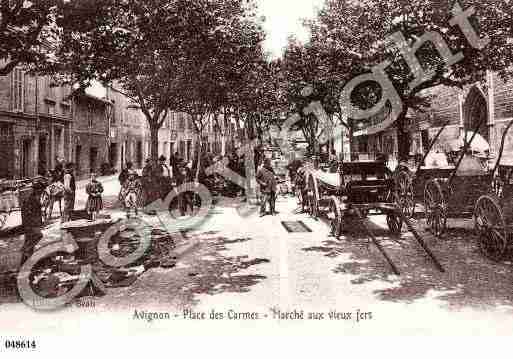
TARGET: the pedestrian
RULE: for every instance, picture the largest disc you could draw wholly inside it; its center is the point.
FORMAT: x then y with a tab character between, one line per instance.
58	172
123	176
148	183
69	192
266	178
165	174
131	194
174	162
32	221
94	202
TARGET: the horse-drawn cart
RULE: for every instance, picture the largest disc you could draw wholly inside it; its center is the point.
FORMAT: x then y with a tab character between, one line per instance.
455	192
12	195
358	190
493	211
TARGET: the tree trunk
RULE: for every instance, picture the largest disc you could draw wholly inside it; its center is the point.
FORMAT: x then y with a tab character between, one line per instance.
199	152
154	141
403	139
353	151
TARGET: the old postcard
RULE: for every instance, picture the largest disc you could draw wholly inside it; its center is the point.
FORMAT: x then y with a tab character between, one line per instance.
254	167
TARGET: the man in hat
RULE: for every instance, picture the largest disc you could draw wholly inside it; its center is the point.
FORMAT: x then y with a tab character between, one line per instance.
268	186
131	193
69	192
164	177
32	220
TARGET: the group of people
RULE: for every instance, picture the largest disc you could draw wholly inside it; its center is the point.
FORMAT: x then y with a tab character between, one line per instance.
157	180
62	183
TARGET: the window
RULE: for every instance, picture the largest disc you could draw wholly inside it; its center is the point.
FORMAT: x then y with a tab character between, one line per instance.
17	89
50	88
51	108
191	124
181	122
90	115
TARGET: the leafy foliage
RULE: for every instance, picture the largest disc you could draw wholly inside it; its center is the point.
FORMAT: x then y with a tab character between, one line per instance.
351	37
24	26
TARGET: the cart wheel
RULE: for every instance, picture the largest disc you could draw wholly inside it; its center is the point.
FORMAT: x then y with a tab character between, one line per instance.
299	195
336	222
435	208
404	189
313	197
491	228
45	204
498	186
3	219
394	223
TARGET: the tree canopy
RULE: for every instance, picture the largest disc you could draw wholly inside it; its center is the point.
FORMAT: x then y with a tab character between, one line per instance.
165	55
24	28
351	38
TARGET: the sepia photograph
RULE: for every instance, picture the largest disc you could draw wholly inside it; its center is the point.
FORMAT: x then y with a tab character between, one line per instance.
255	168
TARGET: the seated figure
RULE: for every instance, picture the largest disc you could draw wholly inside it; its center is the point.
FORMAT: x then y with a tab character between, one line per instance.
470	166
437	159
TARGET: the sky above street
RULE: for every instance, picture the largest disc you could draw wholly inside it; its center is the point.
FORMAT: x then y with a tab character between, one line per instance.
284	18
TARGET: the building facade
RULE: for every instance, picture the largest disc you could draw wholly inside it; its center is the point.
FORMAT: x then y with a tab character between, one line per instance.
489	102
35	125
90	139
128	134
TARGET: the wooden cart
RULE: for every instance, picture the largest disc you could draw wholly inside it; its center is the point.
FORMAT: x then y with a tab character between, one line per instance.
12	194
358	190
486	198
493	211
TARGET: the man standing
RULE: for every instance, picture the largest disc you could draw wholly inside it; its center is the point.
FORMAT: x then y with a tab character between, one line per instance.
268	186
32	221
123	176
164	179
69	192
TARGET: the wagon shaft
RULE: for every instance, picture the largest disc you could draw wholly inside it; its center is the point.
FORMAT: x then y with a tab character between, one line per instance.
378	245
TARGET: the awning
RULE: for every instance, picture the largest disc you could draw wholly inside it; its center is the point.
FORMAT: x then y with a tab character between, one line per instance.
479	144
377	123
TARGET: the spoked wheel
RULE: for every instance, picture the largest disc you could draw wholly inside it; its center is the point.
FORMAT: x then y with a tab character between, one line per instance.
405	195
298	191
435	208
394	223
497	186
490	226
45	206
3	219
336	222
313	197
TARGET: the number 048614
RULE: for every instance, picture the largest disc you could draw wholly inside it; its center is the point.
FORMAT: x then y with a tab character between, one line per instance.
20	344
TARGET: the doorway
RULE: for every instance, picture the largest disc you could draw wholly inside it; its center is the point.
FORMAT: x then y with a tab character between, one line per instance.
189	148
475	112
139	152
113	154
78	155
42	166
93	159
25	160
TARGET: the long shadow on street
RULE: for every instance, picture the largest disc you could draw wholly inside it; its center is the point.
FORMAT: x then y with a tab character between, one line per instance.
207	272
469	278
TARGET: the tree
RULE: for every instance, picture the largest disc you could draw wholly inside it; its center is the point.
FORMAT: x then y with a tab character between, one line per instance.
219	53
256	101
357	38
24	26
306	83
165	55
